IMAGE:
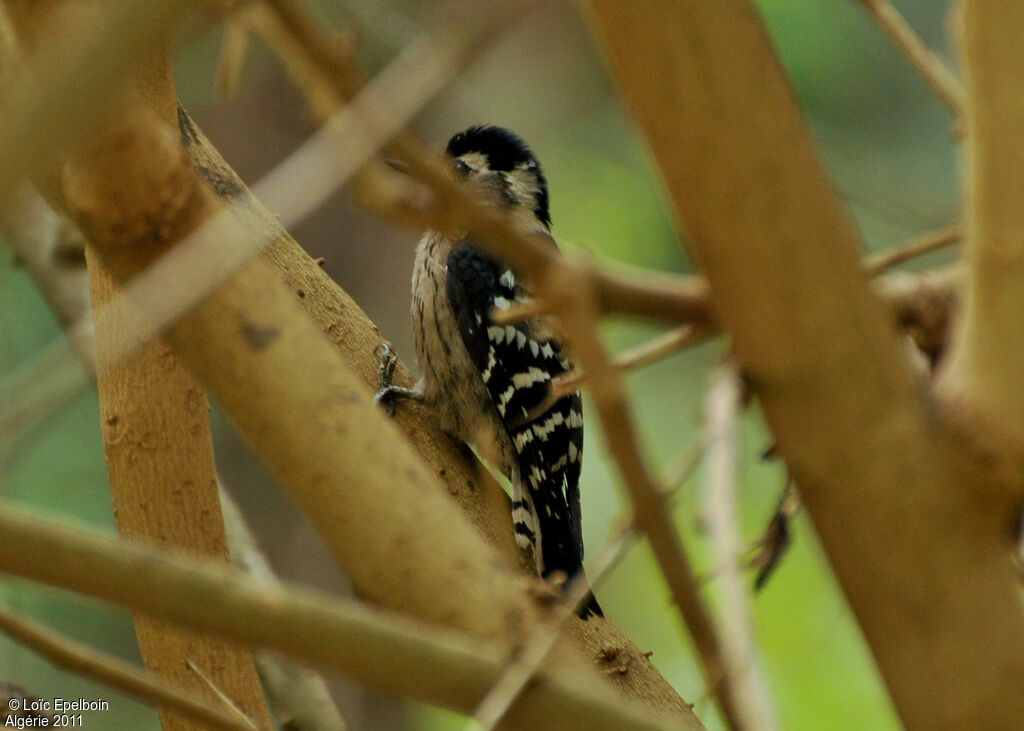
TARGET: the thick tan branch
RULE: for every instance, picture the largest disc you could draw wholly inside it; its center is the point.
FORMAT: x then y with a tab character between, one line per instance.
339	318
64	94
348	328
296	695
82	659
985	364
783	262
574	301
395	534
163	484
157	436
53	253
381	649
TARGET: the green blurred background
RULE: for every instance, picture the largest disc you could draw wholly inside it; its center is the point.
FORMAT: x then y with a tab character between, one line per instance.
889	146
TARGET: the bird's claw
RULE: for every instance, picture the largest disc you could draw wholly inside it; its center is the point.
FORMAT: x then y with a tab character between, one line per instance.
388	393
388	361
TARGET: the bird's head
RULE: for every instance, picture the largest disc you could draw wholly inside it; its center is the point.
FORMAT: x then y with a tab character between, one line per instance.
502	168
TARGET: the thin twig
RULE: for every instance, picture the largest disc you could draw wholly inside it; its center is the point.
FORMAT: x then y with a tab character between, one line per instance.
169	288
736	633
527	662
35	393
64	96
267	26
518	312
379	648
767	551
233	49
650	351
685	467
452	205
569	289
334	58
659	347
884	260
78	658
218	691
608	557
934	72
295	693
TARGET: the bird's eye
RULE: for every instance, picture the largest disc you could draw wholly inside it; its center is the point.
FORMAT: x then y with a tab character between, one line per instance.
462	167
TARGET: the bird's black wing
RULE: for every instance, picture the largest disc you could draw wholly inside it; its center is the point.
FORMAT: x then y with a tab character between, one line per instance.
517	367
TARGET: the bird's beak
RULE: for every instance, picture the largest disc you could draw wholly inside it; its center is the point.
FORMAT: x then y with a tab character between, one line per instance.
399	165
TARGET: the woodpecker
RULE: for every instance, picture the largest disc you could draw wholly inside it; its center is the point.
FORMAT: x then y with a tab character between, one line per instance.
485	381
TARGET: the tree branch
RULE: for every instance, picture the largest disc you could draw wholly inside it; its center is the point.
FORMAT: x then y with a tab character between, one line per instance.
298	697
884	260
932	70
529	659
160	458
743	668
575	304
64	96
381	649
983	371
247	342
81	659
53	252
643	354
163	482
848	415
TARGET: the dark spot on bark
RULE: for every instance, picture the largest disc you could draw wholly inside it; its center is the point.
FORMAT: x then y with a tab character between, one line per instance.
189	136
302	295
69	256
259	337
221	185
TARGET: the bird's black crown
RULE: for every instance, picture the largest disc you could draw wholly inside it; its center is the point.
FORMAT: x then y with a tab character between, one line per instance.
505	151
